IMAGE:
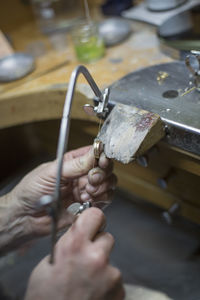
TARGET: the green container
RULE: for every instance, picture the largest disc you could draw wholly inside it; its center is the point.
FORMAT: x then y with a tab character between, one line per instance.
88	44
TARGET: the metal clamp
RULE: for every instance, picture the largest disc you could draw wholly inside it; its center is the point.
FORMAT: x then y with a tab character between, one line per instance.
195	72
101	109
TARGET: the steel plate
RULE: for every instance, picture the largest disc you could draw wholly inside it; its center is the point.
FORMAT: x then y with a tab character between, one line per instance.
181	112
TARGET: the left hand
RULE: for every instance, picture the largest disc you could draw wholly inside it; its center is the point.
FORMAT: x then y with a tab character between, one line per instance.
77	185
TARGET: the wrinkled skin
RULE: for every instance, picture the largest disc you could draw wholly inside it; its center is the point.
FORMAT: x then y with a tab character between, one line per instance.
81	269
80	181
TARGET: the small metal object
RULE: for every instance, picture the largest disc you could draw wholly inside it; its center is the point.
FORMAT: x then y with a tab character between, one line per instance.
163	181
101	109
74	208
114	30
97	148
15	66
143	161
172	211
161	77
84	206
77	208
195	72
160	6
54	206
89	109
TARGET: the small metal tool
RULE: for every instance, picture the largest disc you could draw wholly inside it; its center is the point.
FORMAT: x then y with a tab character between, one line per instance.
53	203
195	55
101	109
77	208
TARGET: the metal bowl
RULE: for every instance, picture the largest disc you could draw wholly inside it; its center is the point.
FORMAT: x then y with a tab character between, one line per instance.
114	30
15	66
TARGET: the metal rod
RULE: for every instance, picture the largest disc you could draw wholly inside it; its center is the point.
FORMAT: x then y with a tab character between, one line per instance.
64	135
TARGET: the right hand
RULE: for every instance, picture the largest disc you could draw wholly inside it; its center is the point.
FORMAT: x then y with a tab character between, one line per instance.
81	269
80	182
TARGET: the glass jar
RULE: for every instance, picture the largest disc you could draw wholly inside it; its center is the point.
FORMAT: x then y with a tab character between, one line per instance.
57	15
88	43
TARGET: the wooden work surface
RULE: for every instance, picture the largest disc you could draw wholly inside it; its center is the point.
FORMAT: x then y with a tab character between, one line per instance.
40	95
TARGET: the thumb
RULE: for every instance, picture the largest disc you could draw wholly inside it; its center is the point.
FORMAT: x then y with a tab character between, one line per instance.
78	166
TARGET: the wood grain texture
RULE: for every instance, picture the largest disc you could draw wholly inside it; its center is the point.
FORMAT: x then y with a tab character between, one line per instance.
42	103
129	132
129	180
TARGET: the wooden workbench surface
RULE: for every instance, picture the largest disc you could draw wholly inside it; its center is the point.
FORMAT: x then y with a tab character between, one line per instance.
40	95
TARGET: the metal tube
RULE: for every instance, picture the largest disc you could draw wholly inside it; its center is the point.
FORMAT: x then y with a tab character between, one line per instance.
65	122
62	145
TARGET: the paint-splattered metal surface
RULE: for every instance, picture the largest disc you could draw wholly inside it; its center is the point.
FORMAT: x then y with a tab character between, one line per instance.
167	90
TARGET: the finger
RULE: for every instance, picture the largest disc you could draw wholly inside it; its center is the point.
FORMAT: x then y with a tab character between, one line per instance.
78	189
117	293
78	166
96	190
120	292
90	190
98	175
102	201
116	287
82	182
105	241
77	152
89	223
104	162
42	226
66	219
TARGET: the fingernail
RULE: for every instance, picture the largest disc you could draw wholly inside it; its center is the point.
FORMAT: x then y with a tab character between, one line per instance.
91	189
85	196
103	161
97	177
103	156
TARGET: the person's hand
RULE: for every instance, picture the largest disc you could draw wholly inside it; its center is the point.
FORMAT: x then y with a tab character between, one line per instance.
81	269
77	185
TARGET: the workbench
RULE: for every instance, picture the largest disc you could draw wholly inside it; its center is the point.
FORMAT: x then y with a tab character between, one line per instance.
30	110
